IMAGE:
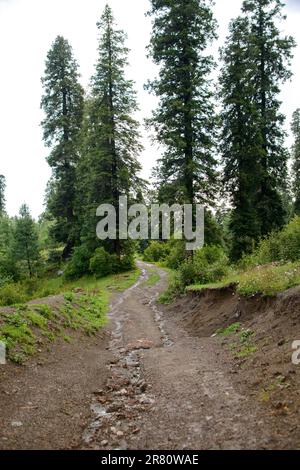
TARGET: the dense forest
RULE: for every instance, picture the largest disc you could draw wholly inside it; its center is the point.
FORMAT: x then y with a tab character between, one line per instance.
223	146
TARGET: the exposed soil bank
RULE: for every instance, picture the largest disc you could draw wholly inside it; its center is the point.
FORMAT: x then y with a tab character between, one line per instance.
266	374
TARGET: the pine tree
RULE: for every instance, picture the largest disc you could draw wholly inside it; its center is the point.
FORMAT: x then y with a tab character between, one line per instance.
256	61
2	195
296	160
270	55
109	166
184	121
26	247
63	106
240	138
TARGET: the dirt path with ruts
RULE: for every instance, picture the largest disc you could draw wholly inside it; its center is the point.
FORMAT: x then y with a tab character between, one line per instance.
143	383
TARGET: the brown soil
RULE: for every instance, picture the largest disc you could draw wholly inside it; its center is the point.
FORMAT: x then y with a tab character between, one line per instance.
155	378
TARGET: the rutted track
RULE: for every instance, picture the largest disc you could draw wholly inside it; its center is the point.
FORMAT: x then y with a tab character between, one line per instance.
166	389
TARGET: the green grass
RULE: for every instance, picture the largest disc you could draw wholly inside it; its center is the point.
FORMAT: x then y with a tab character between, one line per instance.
83	308
153	279
245	351
242	344
266	280
234	328
17	293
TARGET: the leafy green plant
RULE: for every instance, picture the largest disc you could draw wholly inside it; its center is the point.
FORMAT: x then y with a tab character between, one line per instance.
234	328
156	251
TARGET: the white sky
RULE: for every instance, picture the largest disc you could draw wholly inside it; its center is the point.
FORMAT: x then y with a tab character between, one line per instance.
27	29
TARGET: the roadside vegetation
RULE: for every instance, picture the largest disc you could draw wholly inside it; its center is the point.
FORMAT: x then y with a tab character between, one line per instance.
79	306
272	267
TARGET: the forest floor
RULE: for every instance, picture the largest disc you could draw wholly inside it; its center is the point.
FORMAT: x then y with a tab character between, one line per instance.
161	378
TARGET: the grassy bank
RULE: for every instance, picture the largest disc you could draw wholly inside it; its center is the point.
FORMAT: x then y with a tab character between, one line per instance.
267	280
77	306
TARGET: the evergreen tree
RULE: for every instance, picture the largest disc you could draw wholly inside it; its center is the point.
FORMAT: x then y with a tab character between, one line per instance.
26	247
240	138
184	120
255	62
270	58
63	106
109	165
296	160
2	195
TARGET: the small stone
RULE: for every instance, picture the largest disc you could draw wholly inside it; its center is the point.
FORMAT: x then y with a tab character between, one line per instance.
104	443
120	434
16	424
143	387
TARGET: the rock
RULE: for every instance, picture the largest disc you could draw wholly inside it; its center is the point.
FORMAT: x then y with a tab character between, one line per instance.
143	387
119	433
104	443
16	424
113	408
140	344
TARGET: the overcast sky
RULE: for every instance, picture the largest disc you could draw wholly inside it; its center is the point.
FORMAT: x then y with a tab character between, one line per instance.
27	29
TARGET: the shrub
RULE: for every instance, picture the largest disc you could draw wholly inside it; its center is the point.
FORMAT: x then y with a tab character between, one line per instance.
156	251
8	268
187	272
290	241
127	262
11	294
177	254
102	263
209	264
79	264
279	246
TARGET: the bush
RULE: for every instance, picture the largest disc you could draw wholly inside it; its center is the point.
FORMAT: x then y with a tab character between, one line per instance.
11	294
79	264
127	262
8	268
177	254
209	264
289	240
102	263
156	251
279	246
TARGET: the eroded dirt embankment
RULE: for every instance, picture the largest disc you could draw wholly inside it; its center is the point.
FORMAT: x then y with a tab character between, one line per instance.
258	348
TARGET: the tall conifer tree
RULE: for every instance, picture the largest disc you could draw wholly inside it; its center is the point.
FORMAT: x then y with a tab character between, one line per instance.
270	57
184	121
25	245
256	61
296	160
63	106
109	167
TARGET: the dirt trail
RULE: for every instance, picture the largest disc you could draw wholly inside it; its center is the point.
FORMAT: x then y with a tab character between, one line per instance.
149	385
176	394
